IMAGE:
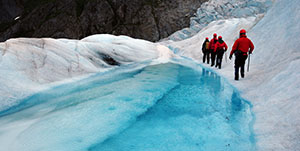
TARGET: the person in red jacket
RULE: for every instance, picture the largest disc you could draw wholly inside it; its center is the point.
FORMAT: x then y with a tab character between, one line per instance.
212	45
220	48
240	49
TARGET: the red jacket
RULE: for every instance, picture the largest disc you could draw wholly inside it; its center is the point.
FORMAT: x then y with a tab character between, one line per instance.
212	44
220	46
243	44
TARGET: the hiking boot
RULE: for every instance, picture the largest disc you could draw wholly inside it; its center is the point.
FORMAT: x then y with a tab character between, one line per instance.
236	78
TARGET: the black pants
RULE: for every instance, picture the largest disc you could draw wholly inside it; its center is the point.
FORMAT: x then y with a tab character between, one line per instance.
219	58
213	57
240	63
206	56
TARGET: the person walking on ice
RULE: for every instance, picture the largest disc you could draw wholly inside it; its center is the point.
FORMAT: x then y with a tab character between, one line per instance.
240	49
205	50
220	48
212	45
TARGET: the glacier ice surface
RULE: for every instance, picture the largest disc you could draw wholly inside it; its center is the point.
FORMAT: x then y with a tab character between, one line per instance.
137	107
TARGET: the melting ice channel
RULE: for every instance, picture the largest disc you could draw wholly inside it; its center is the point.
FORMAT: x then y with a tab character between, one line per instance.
163	107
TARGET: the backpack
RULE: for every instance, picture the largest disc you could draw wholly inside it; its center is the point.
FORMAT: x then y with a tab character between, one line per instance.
207	45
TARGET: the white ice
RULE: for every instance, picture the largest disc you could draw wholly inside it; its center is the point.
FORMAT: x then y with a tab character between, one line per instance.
214	10
273	84
27	65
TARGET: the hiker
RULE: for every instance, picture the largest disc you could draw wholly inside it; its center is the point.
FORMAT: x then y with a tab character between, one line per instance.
212	44
240	49
205	50
220	48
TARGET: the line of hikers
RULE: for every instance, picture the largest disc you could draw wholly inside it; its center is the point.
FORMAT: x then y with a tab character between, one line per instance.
216	47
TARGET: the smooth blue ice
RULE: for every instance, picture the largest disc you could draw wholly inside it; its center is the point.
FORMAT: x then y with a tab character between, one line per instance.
152	107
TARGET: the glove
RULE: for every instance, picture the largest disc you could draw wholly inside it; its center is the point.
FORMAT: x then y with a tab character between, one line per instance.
250	52
230	57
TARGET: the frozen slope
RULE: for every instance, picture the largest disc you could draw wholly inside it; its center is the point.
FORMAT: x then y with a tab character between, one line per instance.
192	47
274	86
215	10
28	65
273	82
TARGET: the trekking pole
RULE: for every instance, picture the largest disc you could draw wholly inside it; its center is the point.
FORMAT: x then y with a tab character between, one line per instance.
225	56
248	63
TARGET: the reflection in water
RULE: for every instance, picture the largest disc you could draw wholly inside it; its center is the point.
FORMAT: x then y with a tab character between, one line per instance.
236	112
236	102
212	81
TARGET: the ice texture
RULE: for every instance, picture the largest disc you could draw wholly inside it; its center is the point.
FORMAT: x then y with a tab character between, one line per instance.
137	107
27	65
272	84
215	10
203	112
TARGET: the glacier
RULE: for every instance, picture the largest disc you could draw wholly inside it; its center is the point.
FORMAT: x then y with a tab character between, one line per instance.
215	10
108	92
272	84
203	112
30	65
62	111
177	105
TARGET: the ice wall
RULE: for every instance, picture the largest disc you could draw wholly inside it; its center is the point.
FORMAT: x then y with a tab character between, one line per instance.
26	65
272	84
275	88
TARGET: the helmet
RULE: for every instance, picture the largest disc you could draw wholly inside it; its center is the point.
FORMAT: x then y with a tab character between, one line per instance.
220	37
215	35
243	31
207	38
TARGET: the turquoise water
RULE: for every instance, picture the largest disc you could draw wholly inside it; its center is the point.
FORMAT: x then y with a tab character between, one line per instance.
160	107
202	113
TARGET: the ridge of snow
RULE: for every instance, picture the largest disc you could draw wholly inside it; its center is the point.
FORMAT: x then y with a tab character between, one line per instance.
28	65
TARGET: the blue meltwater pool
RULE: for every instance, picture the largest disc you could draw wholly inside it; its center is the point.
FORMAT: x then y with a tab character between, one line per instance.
164	107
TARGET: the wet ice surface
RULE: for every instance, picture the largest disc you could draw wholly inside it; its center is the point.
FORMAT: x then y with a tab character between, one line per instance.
157	107
201	113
